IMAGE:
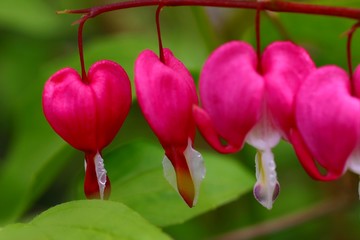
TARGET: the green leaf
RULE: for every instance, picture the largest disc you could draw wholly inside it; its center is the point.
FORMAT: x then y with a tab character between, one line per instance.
85	220
136	174
28	171
36	156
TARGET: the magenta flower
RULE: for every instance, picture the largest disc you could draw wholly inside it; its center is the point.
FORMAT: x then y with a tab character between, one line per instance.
88	113
166	94
328	123
246	100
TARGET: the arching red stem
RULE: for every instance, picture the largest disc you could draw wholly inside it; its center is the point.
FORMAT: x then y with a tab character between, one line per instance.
81	50
274	5
161	49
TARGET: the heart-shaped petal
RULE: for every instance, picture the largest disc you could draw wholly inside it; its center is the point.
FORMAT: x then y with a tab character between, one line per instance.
327	121
88	114
207	129
285	67
232	91
166	93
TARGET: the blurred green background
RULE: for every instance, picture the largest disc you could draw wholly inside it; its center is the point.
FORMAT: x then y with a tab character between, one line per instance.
38	170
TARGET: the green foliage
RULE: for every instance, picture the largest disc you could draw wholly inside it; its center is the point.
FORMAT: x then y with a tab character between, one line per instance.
34	154
34	161
137	180
24	16
85	220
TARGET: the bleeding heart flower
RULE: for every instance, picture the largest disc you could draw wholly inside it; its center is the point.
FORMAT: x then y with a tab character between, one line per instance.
87	113
166	94
246	100
328	123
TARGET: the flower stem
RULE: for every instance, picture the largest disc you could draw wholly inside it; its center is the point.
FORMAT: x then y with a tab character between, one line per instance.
81	50
161	49
258	42
274	5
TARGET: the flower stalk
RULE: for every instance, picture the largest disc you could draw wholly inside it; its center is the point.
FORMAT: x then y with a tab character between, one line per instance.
81	51
157	19
258	40
274	5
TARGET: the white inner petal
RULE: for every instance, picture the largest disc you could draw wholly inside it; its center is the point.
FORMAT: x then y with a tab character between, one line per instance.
100	174
353	164
264	134
266	188
196	167
169	172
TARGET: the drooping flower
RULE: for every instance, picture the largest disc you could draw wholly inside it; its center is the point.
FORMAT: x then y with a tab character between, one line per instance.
166	93
246	100
328	123
87	113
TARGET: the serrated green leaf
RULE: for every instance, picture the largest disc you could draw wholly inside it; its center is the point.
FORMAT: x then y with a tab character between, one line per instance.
85	220
136	174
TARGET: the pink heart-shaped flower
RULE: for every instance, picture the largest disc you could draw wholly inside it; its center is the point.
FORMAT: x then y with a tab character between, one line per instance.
328	124
236	96
87	113
247	100
166	94
231	92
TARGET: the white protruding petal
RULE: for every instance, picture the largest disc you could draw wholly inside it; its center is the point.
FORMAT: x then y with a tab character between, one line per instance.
100	174
169	172
267	187
196	165
264	134
353	164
